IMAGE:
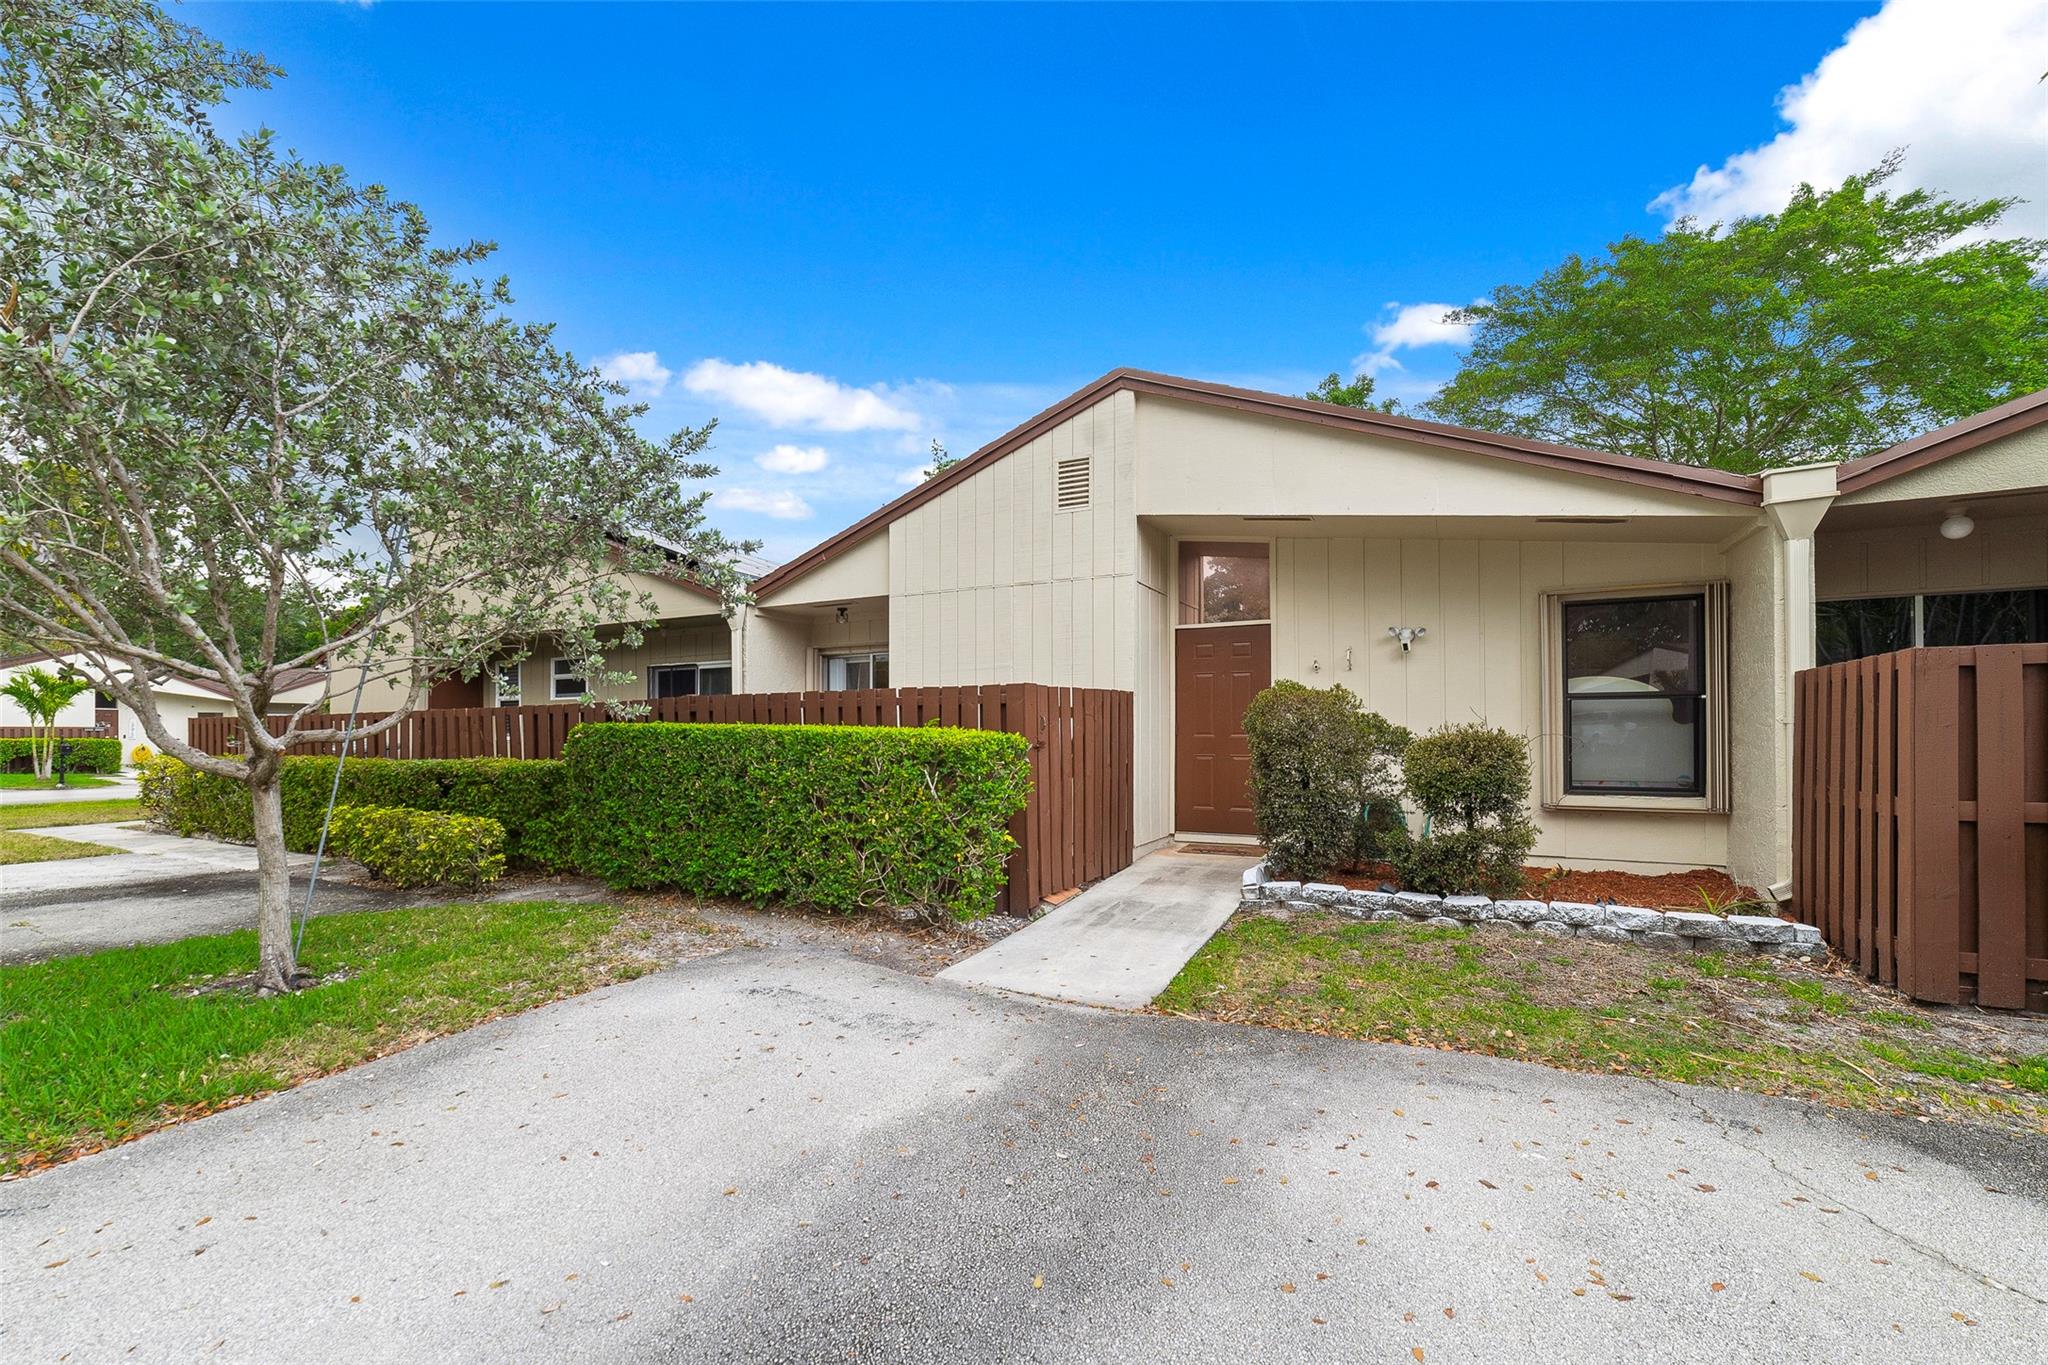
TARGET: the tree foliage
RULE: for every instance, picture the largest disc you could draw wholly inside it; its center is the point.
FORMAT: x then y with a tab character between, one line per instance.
1356	394
1849	321
255	417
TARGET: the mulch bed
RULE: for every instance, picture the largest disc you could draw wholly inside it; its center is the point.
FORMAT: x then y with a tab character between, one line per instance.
1700	889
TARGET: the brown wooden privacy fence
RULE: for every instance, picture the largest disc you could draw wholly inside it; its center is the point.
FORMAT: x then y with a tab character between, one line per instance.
1076	828
63	732
1920	819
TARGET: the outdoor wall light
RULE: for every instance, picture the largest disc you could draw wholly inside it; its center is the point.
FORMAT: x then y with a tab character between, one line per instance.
1407	635
839	615
1957	523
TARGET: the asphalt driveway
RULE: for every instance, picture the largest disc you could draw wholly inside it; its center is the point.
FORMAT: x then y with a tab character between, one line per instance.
786	1154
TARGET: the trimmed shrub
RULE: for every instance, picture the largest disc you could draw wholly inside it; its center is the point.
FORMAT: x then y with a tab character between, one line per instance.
1471	783
87	755
839	817
527	797
1324	787
420	847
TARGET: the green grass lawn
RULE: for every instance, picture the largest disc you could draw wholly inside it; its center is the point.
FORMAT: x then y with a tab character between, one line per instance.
98	1048
16	847
30	782
1748	1023
53	813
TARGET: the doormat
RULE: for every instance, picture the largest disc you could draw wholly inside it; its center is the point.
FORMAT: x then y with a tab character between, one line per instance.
1227	850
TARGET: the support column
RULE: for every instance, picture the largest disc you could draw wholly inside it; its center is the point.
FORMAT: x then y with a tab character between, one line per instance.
1760	833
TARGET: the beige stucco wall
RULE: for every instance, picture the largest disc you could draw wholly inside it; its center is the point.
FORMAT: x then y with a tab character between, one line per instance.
2016	461
1482	659
1759	710
1197	460
862	571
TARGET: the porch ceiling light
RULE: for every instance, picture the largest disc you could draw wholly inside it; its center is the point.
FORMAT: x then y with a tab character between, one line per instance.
1957	523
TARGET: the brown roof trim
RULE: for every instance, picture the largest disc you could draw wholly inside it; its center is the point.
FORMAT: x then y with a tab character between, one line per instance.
2028	410
1745	489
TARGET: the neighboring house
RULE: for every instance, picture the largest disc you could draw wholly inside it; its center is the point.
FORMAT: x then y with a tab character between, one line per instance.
177	700
1639	622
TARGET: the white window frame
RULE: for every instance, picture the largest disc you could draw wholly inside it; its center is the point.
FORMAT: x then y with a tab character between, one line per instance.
499	680
867	652
556	677
1714	640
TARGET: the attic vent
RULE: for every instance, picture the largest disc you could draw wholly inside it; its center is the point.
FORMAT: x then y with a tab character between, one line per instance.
1070	484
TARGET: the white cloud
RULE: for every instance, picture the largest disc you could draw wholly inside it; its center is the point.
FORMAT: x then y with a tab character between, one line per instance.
779	503
641	371
795	398
1957	85
1411	326
911	478
789	459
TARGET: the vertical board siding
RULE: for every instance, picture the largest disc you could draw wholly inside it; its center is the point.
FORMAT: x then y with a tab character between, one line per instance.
1920	819
1075	827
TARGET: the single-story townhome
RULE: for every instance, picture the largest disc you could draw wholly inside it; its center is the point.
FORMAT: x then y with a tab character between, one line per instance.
1640	622
178	700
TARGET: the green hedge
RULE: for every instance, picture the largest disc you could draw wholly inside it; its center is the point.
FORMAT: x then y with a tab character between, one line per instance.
87	756
420	847
833	816
526	796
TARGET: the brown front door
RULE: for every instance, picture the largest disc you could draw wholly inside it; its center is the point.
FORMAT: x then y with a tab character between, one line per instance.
1217	670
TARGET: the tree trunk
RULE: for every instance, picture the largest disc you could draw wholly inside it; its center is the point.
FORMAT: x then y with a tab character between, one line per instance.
275	965
42	752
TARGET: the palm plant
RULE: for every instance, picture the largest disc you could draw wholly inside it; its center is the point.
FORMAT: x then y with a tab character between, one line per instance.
42	696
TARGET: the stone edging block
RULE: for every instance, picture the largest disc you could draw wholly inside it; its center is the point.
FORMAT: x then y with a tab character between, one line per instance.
1665	929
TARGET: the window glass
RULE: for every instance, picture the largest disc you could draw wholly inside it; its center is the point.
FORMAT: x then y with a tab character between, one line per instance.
714	680
1635	696
1651	641
845	672
1223	583
508	685
568	683
1986	618
1634	744
1861	627
672	680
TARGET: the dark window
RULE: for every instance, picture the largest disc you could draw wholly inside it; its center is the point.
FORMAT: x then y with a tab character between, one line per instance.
1986	618
1862	627
1635	696
672	680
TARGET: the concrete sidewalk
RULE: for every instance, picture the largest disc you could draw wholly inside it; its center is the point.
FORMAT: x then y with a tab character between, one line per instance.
1119	942
119	787
146	856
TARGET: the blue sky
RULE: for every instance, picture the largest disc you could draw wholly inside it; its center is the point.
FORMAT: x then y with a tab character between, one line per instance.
848	231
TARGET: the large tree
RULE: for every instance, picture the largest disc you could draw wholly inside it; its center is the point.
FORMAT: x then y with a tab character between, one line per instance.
1849	321
241	393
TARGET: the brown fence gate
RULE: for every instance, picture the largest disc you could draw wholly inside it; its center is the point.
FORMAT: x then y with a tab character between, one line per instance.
1920	819
1076	827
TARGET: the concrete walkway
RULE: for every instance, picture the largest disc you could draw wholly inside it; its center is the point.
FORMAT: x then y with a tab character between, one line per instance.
146	856
119	787
1119	942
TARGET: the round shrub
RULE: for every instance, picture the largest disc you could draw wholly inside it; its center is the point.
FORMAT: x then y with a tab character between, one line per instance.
420	847
1324	792
1471	783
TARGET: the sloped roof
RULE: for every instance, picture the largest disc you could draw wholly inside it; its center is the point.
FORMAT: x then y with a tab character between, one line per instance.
2007	419
1716	484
